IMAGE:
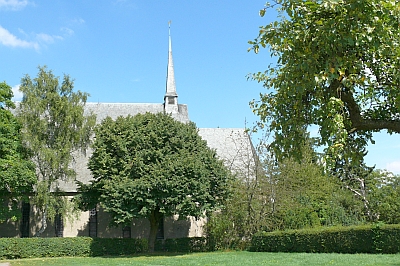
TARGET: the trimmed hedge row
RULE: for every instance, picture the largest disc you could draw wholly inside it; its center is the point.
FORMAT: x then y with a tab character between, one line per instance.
15	248
117	246
355	239
185	244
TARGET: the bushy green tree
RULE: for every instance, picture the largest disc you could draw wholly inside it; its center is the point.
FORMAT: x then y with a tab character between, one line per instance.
153	166
54	128
17	173
337	68
384	195
307	196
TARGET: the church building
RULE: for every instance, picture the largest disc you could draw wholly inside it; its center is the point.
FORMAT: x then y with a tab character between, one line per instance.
233	145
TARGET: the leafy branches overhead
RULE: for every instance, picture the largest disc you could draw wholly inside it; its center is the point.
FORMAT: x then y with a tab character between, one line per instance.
338	68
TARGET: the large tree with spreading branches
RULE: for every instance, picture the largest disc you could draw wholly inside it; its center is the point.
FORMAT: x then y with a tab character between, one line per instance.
152	166
338	68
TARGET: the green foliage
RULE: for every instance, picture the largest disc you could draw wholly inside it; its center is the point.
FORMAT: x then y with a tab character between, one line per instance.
285	195
384	196
306	196
152	166
185	244
248	209
15	248
117	246
17	173
227	228
354	239
54	129
337	68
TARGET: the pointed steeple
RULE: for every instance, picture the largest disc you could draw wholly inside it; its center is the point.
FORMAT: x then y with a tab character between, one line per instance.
171	97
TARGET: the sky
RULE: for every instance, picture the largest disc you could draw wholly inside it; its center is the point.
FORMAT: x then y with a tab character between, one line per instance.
117	51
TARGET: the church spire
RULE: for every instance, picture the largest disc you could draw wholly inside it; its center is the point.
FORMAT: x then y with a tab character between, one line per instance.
171	97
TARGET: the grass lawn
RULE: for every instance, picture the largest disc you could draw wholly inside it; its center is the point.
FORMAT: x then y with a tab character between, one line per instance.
242	258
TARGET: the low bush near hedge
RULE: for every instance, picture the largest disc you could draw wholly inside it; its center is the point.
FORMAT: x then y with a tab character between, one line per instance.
117	246
355	239
185	244
14	248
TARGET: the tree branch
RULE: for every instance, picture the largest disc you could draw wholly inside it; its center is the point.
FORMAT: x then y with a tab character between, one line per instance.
358	122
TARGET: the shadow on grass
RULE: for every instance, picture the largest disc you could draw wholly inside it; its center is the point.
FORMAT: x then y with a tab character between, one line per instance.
148	254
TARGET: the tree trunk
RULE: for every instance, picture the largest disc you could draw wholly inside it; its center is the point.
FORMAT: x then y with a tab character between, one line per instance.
44	224
154	219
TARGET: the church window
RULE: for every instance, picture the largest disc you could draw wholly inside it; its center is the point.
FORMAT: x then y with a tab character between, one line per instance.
160	230
26	207
93	222
59	225
126	232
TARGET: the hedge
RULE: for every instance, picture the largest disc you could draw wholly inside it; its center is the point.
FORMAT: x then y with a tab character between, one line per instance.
15	248
354	239
185	244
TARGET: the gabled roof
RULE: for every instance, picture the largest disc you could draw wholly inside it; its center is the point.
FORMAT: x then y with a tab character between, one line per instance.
113	110
234	147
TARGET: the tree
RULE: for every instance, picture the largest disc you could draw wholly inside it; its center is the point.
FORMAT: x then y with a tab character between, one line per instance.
153	166
358	180
307	196
384	196
282	195
54	129
17	173
247	210
338	68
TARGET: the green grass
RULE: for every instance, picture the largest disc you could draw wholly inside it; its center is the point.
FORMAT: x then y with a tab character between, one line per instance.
222	258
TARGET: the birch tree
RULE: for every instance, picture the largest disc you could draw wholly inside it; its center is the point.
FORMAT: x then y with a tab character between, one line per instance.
54	128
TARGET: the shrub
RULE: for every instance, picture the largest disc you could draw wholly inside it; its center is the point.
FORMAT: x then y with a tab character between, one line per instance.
354	239
117	246
185	244
14	248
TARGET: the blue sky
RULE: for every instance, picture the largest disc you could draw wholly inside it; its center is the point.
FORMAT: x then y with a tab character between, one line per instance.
117	51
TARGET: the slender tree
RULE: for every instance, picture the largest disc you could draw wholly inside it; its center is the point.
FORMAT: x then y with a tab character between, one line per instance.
152	166
54	129
17	173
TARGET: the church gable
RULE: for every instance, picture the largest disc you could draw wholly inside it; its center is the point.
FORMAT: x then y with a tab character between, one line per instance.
234	147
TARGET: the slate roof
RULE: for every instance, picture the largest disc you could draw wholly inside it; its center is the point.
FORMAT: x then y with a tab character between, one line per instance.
102	110
234	147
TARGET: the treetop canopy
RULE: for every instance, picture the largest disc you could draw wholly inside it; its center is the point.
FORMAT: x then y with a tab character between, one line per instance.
338	67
